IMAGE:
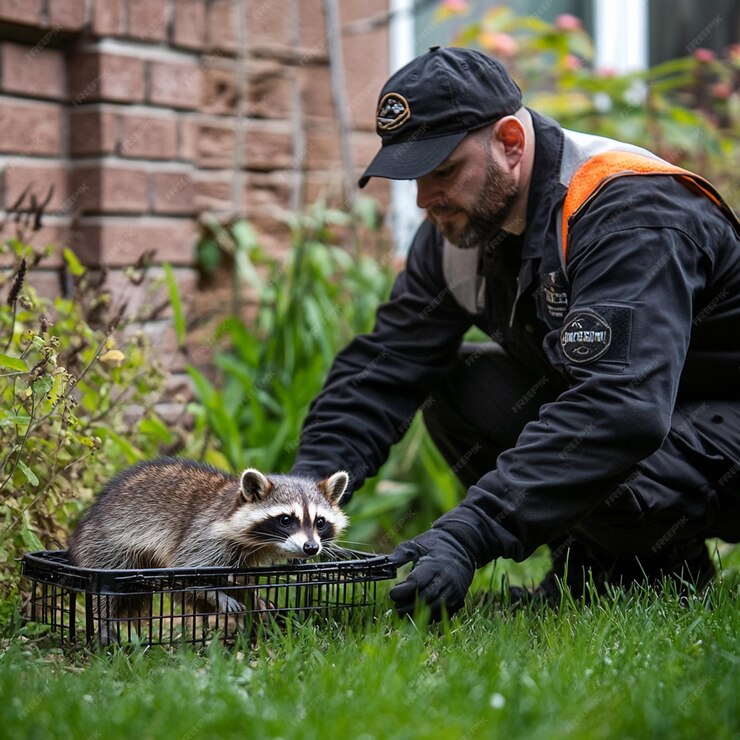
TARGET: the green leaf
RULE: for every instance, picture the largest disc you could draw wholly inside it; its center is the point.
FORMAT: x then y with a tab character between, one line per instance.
29	537
179	317
12	419
155	427
245	237
73	263
13	363
131	453
30	475
43	385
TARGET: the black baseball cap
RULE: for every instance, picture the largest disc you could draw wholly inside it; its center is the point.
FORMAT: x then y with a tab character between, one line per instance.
426	109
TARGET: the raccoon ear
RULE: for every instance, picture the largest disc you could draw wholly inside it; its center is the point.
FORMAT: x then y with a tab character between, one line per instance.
335	486
254	485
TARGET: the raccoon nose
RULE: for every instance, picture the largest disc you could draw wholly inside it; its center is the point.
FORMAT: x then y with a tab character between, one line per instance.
310	548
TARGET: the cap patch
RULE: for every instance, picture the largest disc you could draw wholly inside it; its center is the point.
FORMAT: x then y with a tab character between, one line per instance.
393	111
585	337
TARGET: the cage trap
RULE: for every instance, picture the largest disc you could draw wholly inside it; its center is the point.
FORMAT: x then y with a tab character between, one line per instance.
196	605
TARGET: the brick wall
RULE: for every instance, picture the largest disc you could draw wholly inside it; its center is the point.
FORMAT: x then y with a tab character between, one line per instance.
147	115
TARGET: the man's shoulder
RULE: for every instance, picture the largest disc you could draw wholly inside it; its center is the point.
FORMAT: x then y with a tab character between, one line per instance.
648	201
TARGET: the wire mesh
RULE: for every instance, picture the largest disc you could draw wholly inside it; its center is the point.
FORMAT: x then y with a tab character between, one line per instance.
196	606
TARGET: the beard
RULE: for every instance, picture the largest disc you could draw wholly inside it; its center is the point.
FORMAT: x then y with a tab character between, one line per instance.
485	220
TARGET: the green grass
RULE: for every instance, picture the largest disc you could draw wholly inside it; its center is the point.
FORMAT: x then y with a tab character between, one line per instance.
646	666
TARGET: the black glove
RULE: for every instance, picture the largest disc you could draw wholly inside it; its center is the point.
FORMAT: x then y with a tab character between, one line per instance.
441	577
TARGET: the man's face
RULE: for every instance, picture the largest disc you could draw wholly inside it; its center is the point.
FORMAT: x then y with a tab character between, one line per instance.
469	196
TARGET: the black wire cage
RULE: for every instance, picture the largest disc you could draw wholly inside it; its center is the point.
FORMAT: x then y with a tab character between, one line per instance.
196	605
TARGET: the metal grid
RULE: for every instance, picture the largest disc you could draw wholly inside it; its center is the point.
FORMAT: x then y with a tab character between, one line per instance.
195	606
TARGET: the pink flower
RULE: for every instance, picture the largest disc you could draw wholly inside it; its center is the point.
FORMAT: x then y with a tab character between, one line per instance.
606	72
499	44
721	90
704	55
733	52
452	7
568	22
572	62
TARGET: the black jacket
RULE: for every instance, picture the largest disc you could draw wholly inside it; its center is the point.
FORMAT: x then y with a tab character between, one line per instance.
656	262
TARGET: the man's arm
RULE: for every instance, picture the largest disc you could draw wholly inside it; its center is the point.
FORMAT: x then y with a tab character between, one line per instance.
379	380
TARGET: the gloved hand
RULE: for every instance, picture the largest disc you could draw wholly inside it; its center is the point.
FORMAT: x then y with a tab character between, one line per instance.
441	577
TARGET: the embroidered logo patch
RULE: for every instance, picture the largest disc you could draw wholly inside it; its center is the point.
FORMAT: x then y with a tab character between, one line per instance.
393	111
585	337
556	295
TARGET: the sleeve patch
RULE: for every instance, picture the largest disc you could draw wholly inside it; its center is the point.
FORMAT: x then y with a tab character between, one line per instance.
590	334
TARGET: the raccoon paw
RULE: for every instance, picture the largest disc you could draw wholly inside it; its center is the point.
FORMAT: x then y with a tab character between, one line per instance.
227	604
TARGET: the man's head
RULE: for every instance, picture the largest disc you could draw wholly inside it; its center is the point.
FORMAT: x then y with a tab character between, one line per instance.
453	121
428	107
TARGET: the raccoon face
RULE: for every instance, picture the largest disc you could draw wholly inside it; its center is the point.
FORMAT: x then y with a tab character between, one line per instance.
287	516
297	534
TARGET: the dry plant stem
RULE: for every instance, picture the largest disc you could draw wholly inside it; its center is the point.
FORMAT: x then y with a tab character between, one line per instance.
22	446
12	524
73	385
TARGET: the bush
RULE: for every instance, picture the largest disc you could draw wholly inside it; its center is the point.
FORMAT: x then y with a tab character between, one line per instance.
68	381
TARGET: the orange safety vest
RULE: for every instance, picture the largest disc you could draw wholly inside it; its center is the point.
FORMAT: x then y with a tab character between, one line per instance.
602	168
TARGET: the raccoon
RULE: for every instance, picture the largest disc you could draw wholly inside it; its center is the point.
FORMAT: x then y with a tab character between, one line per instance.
177	513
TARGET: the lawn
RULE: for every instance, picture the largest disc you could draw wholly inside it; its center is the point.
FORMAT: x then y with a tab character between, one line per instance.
643	666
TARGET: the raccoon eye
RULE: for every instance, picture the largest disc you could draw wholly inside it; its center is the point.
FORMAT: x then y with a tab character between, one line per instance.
285	520
320	522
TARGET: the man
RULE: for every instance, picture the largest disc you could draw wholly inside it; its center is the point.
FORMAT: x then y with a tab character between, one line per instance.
606	421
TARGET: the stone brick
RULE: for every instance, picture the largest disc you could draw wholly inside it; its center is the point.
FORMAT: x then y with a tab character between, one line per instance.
269	90
365	146
111	189
175	85
38	178
189	27
147	19
68	15
268	146
221	25
21	11
173	192
313	27
269	192
327	187
323	149
46	283
269	23
315	86
220	93
212	191
150	299
118	242
365	74
107	18
31	129
32	70
150	137
54	232
188	135
92	132
273	233
216	145
95	76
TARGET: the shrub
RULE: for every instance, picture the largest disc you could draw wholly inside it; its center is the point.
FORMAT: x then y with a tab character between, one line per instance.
68	380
